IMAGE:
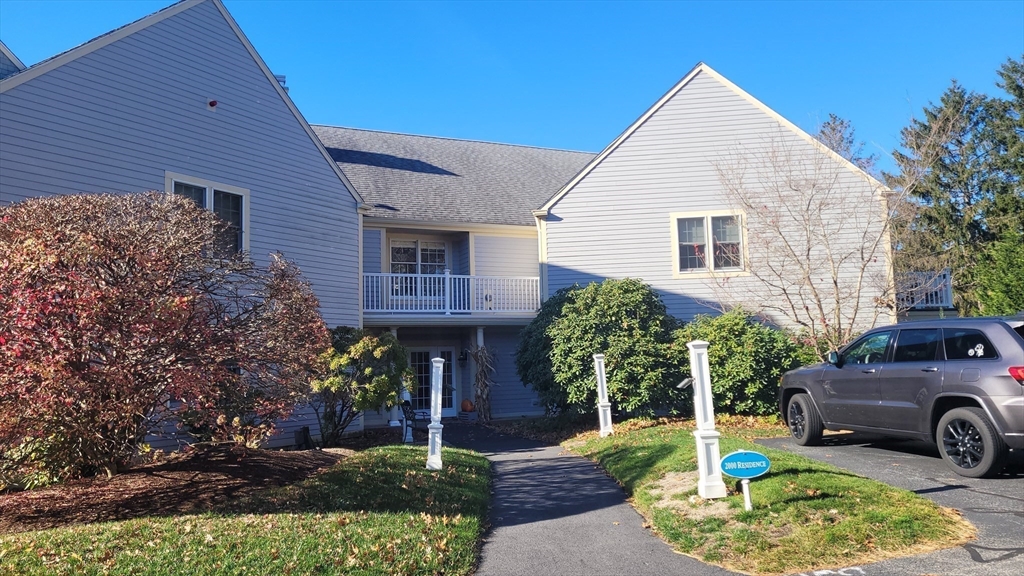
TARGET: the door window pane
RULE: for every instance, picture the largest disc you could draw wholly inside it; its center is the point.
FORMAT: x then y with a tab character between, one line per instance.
916	346
967	344
420	364
692	243
432	258
868	350
725	230
403	261
403	257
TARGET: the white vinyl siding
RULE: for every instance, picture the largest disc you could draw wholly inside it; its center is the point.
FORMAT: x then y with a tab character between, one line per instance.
372	241
616	221
505	256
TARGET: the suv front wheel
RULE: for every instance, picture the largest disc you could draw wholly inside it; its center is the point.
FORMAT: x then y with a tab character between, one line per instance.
969	444
803	420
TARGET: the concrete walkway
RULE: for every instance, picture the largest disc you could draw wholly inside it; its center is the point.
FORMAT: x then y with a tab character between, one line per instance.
553	513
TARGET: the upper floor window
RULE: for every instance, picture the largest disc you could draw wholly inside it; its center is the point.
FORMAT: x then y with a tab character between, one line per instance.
230	203
708	242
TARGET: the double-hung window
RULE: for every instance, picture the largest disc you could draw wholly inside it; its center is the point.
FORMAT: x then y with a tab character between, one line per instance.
230	203
707	242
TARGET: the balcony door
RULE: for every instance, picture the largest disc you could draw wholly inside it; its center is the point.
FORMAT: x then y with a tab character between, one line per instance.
420	362
422	257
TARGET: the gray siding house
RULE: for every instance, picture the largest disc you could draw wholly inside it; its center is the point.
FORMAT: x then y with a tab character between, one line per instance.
137	109
682	200
450	252
447	243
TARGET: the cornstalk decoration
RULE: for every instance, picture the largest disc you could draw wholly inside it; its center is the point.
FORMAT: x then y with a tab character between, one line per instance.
485	367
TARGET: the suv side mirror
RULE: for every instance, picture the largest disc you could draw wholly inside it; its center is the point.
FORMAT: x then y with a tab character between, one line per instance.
833	358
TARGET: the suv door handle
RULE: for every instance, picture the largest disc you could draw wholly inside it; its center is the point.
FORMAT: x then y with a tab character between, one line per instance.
869	371
930	369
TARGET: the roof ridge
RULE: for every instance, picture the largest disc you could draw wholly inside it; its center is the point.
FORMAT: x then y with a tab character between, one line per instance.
456	139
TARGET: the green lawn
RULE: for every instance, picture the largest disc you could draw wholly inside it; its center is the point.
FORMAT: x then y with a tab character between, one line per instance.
377	512
807	515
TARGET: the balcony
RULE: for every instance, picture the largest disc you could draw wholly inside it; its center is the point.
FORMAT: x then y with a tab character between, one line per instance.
926	291
446	295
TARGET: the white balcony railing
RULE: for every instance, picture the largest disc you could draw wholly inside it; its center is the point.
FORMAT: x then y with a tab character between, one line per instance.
449	294
926	290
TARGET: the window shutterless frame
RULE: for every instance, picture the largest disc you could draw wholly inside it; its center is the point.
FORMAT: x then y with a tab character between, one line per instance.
708	243
229	202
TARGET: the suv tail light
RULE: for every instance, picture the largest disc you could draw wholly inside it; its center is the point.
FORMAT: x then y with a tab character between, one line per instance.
1017	373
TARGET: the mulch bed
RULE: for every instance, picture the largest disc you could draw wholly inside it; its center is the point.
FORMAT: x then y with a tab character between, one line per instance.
183	483
190	483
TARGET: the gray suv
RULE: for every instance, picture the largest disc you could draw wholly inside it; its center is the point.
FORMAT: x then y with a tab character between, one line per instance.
956	382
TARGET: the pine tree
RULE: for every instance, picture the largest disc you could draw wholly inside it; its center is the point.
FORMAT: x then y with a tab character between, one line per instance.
969	195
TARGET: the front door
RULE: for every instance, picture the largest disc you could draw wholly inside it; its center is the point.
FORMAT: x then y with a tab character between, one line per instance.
420	362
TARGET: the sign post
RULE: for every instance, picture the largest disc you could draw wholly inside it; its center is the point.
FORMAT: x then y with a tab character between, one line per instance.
435	426
709	484
746	465
604	407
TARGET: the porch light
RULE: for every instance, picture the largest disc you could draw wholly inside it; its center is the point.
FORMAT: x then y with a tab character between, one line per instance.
463	358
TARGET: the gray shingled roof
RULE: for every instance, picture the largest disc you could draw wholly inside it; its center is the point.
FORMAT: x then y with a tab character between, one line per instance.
442	179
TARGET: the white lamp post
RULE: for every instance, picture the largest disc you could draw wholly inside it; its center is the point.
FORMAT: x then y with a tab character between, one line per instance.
434	443
710	484
604	407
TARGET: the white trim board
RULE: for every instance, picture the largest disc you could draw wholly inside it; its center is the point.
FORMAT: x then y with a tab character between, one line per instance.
545	210
446	226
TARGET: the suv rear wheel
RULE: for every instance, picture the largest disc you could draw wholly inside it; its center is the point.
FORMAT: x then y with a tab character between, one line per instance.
803	420
969	444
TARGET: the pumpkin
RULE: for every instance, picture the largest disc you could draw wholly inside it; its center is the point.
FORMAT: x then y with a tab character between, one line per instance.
467	405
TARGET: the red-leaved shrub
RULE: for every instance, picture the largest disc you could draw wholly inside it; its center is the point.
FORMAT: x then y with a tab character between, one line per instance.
116	315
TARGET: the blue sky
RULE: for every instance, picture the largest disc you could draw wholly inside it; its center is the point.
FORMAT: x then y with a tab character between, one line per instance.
573	75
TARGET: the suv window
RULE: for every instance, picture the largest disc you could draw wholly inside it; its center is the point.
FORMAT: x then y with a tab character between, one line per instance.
868	350
917	345
967	344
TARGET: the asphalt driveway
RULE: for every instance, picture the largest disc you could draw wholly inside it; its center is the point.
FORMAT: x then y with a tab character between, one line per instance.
995	505
557	514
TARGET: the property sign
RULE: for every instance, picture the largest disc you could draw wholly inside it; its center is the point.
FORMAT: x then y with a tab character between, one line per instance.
745	464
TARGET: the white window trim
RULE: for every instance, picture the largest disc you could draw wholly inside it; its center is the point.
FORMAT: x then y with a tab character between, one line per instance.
171	177
710	272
